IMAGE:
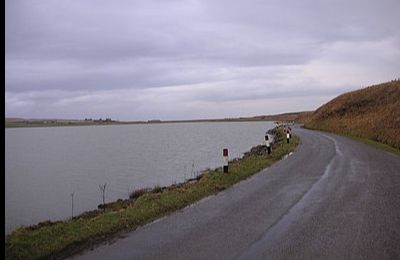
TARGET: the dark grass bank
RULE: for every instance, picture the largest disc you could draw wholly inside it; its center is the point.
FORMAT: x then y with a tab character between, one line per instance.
55	240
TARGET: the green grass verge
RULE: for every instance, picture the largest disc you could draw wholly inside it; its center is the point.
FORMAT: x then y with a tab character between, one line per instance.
52	240
364	140
376	144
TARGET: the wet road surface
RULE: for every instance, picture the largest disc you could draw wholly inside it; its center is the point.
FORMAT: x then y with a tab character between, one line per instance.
334	198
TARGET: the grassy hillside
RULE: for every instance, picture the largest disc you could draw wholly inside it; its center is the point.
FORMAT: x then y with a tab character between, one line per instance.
372	113
298	117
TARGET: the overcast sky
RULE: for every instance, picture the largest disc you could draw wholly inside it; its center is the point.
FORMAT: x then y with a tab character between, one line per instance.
140	60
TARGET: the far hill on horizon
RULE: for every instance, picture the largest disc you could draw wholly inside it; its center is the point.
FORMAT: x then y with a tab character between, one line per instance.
372	112
13	122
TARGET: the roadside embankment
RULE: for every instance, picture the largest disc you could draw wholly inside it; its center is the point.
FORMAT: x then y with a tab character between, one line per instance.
370	114
53	240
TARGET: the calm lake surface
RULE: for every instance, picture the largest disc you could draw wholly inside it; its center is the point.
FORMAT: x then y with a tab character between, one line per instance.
43	166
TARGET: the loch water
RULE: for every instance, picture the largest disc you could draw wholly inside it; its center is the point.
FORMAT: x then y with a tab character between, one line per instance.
44	166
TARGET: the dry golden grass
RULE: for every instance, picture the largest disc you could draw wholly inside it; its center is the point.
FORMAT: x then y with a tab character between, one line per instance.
298	117
372	112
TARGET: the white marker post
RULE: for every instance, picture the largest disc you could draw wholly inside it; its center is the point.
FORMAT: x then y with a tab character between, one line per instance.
267	143
225	154
287	136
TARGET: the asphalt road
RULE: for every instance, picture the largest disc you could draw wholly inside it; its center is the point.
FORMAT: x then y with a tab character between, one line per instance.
334	198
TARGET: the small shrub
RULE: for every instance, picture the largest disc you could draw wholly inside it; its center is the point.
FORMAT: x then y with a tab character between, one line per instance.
137	193
157	189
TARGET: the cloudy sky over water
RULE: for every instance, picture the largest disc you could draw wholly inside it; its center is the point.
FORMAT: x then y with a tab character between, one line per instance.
160	59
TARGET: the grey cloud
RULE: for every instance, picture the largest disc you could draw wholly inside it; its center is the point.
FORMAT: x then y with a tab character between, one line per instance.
98	46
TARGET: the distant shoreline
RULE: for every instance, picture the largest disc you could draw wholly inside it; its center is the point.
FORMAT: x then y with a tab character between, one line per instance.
25	123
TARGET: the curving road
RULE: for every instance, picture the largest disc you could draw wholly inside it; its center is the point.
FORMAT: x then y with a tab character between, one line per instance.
334	198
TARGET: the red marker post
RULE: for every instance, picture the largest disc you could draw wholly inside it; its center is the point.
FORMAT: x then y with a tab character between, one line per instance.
225	155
